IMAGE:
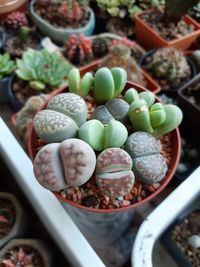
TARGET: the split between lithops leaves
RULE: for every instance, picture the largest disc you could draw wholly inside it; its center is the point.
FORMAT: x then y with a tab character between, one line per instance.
78	85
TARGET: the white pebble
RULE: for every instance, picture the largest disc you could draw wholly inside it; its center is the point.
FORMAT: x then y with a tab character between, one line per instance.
194	241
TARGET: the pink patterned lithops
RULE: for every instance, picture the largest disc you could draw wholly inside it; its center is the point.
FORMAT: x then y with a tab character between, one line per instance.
78	160
47	168
113	172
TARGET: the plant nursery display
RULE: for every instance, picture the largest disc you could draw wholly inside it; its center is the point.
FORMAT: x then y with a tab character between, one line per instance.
168	26
59	19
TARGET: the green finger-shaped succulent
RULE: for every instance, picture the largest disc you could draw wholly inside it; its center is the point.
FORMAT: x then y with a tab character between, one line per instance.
78	85
100	136
108	83
132	95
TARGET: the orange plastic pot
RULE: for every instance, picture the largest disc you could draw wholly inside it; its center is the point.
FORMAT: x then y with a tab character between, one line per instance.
103	226
152	85
8	6
149	38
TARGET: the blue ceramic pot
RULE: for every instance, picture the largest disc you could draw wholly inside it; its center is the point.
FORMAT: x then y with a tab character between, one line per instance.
58	34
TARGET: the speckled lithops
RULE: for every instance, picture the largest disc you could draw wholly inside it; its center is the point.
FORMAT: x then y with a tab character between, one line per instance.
52	126
71	105
78	160
113	172
70	163
149	165
47	168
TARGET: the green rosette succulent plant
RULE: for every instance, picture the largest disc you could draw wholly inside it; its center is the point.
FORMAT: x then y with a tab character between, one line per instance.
43	69
155	118
7	65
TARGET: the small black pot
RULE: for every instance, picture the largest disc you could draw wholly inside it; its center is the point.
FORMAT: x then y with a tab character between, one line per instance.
3	36
4	94
12	100
173	91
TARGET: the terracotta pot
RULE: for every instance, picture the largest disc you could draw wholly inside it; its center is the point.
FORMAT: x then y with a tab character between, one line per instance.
152	85
103	226
149	39
8	6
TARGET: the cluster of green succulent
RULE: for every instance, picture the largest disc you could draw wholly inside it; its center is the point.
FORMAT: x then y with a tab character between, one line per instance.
122	8
169	64
43	69
7	65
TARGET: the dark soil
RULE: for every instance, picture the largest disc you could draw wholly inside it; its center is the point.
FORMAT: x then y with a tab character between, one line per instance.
180	234
123	27
7	216
169	32
16	48
193	93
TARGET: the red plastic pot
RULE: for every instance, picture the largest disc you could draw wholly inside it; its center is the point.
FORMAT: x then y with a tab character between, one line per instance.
103	226
150	39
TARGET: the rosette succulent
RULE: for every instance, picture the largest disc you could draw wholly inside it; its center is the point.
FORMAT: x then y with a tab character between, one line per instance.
42	69
7	65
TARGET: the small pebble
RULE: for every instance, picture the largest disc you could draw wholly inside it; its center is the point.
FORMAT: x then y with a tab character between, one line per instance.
194	241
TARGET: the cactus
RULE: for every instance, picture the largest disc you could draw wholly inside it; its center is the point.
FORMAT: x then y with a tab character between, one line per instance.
57	166
78	85
113	172
24	33
114	109
99	47
108	84
149	165
100	136
15	20
78	49
157	119
169	64
42	69
7	65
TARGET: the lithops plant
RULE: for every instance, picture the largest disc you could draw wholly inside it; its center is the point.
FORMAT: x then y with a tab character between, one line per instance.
100	136
71	163
149	165
52	126
113	109
108	83
78	85
71	105
113	172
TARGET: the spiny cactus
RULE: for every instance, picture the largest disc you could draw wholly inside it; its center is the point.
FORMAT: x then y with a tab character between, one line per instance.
149	165
15	20
7	65
78	85
99	47
108	84
57	166
100	137
43	69
78	49
157	119
113	172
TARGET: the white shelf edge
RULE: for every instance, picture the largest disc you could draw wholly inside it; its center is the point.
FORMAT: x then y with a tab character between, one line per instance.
60	226
158	221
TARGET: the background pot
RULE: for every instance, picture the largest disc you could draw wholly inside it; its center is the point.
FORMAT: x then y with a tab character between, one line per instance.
57	34
34	243
2	38
19	221
12	99
4	94
103	225
149	39
7	6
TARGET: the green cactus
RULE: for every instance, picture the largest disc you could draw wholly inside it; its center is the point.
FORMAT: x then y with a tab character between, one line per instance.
43	69
108	84
157	119
7	65
24	33
78	85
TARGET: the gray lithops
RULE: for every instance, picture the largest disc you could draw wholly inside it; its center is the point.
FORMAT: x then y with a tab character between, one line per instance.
71	163
149	165
71	105
52	126
114	109
113	172
48	169
78	160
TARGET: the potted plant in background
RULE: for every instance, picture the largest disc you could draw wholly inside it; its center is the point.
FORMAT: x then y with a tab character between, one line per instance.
170	67
7	67
12	220
37	72
168	27
101	201
60	19
25	252
7	7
